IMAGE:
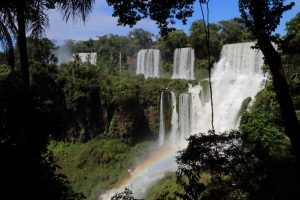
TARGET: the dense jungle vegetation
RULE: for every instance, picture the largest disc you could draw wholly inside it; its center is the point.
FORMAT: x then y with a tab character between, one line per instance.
78	128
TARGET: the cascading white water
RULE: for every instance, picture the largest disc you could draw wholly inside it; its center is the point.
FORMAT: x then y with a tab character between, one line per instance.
148	63
183	65
185	115
235	77
87	57
171	105
174	120
162	131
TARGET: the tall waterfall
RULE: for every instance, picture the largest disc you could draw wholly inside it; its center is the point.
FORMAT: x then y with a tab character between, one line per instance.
162	131
174	120
235	77
148	63
168	118
183	65
185	115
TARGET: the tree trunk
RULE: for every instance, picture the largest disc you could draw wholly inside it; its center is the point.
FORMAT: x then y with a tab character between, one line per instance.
273	60
11	58
289	117
22	42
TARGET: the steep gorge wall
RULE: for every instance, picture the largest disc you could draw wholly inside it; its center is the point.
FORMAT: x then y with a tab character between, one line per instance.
130	111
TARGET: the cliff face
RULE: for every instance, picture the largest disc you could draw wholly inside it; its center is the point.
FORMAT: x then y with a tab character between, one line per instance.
124	107
130	122
152	117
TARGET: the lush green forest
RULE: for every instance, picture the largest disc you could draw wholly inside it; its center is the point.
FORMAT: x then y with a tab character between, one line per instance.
72	130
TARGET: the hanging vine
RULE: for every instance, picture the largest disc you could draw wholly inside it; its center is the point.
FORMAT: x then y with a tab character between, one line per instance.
207	38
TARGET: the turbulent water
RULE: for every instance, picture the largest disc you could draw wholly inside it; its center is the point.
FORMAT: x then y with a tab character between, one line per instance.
148	63
235	77
183	64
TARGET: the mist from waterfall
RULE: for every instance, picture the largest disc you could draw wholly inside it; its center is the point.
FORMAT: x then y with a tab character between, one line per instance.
184	63
148	63
63	53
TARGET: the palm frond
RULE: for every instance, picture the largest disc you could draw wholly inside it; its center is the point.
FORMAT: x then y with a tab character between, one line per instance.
6	36
39	20
75	8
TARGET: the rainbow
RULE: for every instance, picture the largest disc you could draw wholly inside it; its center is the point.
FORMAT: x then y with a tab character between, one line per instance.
152	161
147	172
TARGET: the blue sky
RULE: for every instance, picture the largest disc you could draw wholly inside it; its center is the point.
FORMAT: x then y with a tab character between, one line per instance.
101	22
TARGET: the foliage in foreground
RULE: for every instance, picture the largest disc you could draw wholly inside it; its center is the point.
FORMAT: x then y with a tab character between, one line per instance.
240	168
28	169
125	195
255	163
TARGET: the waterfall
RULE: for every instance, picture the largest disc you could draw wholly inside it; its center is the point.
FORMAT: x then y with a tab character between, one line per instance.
161	120
185	115
87	57
148	63
168	118
174	121
183	65
235	77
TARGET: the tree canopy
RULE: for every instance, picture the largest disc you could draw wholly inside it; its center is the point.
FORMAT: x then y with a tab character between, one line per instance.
20	17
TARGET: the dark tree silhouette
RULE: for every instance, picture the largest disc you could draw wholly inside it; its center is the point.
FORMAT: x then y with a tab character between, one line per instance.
239	168
125	195
7	26
261	18
28	169
21	16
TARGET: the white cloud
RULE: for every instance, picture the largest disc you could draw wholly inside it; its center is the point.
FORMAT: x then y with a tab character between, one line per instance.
99	22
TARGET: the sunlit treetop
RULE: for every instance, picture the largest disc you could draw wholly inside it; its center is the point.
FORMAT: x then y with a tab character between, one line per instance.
262	16
256	13
35	13
164	13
